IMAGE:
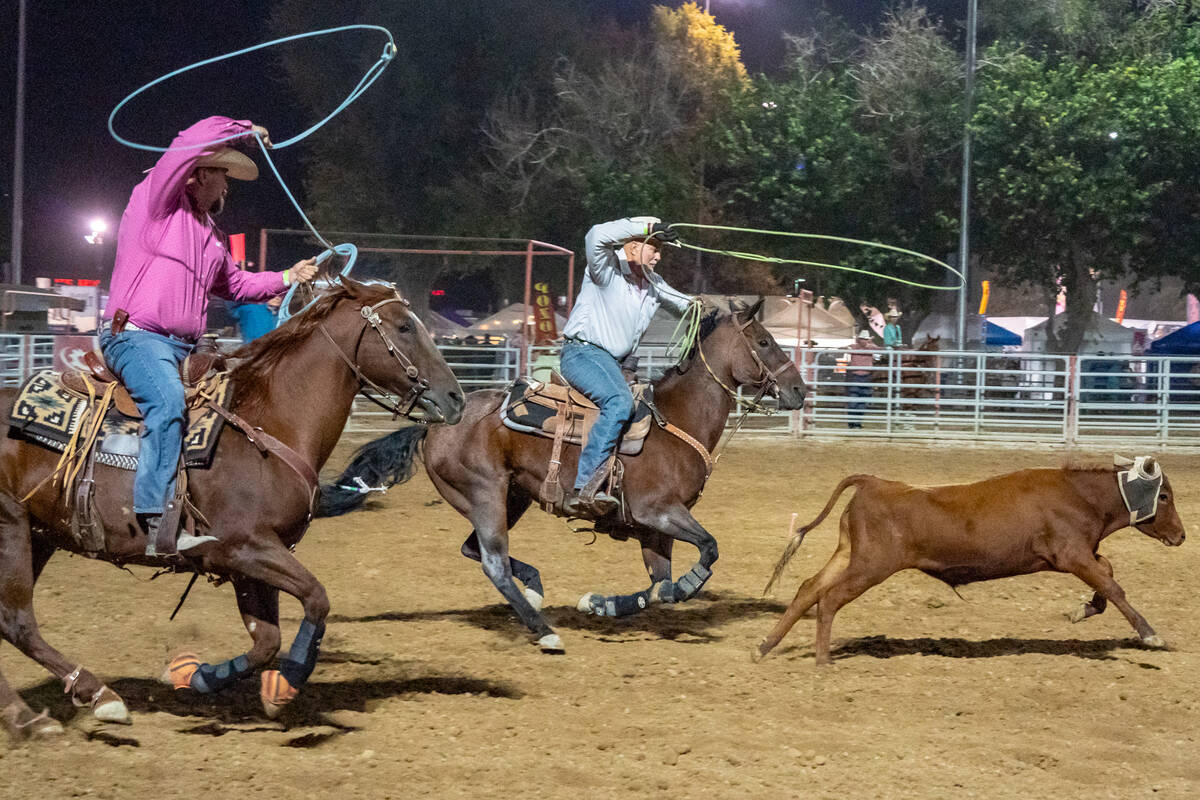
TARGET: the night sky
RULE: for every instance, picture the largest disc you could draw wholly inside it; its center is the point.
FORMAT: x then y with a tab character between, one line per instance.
84	57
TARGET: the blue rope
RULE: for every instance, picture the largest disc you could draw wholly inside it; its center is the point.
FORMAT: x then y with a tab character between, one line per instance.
372	74
346	249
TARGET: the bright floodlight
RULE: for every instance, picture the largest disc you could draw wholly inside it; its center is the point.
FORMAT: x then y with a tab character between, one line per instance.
98	225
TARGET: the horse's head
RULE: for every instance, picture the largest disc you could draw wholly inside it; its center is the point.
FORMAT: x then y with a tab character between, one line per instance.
755	358
390	350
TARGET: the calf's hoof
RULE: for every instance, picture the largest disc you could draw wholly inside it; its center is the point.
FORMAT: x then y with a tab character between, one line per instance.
275	693
1154	642
179	671
551	643
107	706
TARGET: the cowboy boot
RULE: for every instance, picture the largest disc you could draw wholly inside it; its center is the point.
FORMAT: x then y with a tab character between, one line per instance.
589	502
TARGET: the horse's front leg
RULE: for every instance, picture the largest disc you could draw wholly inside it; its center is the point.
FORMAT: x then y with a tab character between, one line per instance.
656	554
266	560
259	606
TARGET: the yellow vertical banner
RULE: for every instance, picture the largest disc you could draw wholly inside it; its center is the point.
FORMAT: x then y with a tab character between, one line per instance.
983	300
1121	307
545	327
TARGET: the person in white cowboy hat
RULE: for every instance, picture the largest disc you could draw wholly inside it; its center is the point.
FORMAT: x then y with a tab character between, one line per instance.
170	256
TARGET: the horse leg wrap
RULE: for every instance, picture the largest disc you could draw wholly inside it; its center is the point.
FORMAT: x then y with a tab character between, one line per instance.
690	583
302	658
662	592
209	678
623	605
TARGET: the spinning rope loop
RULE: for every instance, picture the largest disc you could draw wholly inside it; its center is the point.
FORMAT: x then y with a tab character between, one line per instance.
372	74
844	268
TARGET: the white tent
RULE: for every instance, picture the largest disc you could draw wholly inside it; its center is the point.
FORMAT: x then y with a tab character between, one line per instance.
509	321
830	328
1102	335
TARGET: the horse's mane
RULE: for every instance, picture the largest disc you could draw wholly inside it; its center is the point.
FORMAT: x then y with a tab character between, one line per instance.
251	378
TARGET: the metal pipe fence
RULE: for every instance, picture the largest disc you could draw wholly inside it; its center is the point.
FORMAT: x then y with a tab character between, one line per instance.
1088	400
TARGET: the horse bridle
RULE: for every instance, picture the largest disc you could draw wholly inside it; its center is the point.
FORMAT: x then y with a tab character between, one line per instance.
404	405
767	380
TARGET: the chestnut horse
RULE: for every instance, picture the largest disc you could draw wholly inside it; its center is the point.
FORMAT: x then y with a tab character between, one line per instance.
297	383
492	474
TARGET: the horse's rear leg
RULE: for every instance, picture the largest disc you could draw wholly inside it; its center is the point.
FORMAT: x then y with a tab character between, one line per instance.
489	515
17	622
16	717
269	562
527	574
259	605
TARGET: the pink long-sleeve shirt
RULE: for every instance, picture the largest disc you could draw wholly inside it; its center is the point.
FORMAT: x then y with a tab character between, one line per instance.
168	258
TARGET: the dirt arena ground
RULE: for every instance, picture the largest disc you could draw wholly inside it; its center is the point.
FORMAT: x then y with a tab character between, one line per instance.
429	687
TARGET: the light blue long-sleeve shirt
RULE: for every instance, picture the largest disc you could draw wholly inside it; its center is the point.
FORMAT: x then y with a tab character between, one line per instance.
613	310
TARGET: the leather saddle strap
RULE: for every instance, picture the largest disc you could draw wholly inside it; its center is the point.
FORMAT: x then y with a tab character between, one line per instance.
267	443
687	437
551	490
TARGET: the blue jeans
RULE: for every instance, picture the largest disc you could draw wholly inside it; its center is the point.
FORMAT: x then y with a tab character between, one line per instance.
148	364
594	372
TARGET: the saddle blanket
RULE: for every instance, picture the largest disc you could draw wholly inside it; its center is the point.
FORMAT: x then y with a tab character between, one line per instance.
47	413
532	407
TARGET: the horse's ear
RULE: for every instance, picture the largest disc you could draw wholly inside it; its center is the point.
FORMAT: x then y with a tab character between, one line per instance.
736	306
353	288
753	310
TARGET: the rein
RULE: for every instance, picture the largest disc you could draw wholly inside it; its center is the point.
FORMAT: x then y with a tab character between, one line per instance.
370	315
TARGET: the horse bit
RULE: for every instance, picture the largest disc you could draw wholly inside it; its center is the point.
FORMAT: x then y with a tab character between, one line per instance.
403	406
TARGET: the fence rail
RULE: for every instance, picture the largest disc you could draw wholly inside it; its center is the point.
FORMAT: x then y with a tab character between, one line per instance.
1091	400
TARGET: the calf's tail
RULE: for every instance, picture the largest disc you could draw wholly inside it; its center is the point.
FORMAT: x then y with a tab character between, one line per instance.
384	462
798	538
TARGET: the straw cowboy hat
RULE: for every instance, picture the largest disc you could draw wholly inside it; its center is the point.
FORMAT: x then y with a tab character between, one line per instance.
235	163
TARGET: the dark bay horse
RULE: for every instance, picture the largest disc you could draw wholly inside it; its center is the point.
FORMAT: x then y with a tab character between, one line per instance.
296	383
492	474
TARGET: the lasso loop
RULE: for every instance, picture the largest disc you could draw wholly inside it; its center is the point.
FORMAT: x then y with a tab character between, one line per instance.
686	332
844	268
372	74
348	250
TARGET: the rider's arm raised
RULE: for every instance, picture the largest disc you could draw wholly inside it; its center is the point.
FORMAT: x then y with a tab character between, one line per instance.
602	241
170	175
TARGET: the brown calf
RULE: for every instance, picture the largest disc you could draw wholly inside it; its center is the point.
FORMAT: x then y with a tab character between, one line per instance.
1015	524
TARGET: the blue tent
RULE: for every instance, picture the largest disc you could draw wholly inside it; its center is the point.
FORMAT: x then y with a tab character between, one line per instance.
1000	337
1183	342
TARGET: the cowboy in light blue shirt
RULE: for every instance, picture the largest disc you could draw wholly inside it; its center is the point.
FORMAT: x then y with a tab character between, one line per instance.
620	293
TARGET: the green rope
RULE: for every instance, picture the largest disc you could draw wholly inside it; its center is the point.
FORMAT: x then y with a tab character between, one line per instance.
776	260
686	332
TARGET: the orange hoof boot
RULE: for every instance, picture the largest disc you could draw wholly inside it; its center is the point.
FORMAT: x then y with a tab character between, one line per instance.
275	693
180	670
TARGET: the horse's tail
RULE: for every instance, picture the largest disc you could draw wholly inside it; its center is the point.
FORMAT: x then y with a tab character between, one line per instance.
798	538
384	462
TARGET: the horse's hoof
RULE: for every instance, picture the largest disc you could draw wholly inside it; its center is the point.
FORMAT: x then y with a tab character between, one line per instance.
591	603
757	654
109	707
275	693
179	671
1078	614
1156	642
534	599
22	724
551	643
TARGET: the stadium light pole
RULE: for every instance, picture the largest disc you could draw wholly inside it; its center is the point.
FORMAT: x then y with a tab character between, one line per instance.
964	240
18	207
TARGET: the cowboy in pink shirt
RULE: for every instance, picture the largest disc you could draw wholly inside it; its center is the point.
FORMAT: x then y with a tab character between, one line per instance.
170	256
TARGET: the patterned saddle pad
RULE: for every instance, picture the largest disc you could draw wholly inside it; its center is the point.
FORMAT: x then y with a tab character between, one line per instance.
48	413
532	407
